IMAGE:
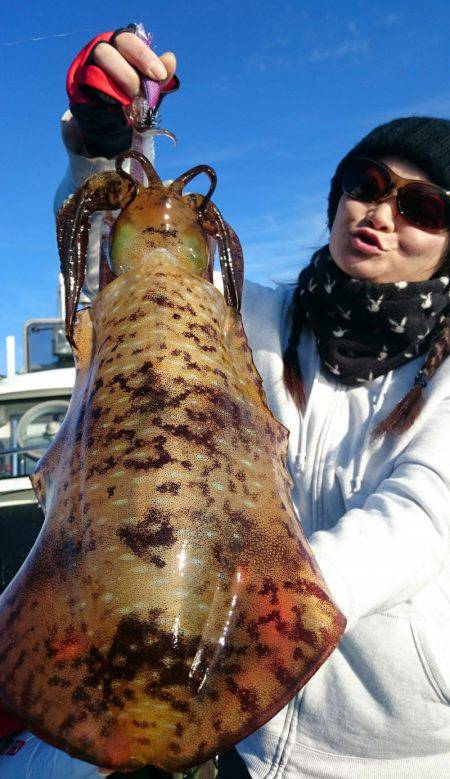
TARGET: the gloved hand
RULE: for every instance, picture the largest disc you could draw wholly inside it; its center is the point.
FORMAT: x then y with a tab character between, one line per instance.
104	78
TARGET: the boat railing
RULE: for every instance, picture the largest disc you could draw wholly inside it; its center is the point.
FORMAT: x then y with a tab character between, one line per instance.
27	429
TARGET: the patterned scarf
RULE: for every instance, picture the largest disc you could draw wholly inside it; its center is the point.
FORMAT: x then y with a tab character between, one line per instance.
363	329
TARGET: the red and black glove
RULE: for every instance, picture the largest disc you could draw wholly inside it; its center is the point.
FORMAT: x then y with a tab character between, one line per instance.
97	102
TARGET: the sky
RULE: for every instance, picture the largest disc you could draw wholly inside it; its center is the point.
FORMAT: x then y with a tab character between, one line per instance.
273	95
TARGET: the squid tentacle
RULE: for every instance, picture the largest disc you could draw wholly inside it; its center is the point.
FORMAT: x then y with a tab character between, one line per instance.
132	154
230	254
102	192
237	261
180	182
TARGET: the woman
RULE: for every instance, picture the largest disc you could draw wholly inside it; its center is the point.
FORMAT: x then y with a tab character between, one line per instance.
353	361
369	324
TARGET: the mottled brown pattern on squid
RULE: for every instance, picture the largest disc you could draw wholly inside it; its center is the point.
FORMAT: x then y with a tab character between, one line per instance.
170	605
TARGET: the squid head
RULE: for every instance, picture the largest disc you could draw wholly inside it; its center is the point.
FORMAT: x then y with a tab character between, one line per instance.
157	223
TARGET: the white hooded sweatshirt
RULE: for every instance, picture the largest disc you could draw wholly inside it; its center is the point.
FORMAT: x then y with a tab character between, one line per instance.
377	516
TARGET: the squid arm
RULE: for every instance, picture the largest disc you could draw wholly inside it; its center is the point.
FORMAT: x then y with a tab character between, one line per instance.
210	218
102	192
230	254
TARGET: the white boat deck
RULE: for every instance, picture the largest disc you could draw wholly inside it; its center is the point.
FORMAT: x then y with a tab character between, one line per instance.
32	387
37	384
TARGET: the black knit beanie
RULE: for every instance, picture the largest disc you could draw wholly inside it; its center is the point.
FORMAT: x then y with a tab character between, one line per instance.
423	140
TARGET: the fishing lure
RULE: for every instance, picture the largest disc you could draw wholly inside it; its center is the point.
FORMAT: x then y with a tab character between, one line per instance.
170	605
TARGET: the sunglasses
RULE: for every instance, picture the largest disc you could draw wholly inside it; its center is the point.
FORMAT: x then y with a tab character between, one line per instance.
423	205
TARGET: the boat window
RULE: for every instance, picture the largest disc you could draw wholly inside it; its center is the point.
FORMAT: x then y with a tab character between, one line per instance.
27	429
46	346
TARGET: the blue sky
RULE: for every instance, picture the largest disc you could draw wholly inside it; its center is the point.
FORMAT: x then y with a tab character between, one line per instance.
273	94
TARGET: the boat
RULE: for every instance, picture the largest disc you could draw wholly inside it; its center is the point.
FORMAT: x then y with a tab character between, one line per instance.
33	403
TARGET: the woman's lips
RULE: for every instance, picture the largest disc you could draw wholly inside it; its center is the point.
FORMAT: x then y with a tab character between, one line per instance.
365	243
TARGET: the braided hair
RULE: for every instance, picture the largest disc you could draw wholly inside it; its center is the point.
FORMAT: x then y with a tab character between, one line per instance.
408	409
292	373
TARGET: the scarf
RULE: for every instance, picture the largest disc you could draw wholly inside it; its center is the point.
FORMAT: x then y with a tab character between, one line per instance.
364	330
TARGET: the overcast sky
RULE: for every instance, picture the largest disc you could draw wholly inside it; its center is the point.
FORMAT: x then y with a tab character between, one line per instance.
273	94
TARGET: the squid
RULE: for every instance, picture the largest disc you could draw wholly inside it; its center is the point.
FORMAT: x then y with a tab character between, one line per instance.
171	604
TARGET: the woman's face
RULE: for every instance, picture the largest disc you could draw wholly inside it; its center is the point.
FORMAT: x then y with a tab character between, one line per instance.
397	250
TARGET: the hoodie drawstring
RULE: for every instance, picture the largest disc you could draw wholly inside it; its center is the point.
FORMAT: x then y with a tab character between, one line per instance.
300	458
365	448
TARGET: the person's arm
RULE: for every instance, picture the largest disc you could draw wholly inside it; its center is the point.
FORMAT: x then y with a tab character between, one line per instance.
381	554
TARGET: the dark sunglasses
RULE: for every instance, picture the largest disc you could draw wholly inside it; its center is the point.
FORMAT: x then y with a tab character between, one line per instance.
423	205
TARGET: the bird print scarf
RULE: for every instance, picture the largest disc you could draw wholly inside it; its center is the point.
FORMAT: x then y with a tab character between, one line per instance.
363	329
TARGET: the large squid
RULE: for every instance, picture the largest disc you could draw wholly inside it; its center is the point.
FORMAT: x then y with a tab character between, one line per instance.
171	604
